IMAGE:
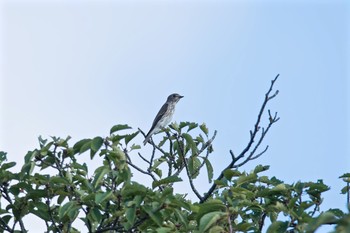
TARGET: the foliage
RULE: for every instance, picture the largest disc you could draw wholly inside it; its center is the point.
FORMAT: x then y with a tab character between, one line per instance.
57	187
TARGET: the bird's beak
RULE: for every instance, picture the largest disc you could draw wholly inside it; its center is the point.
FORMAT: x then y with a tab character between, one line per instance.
181	96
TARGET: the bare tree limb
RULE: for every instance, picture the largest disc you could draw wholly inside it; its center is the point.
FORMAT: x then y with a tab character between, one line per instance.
253	137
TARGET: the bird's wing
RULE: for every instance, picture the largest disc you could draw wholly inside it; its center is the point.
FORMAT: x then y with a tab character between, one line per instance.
160	114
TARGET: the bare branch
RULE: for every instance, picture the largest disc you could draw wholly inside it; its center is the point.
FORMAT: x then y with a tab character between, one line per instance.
232	155
208	143
251	157
188	173
253	136
143	158
149	172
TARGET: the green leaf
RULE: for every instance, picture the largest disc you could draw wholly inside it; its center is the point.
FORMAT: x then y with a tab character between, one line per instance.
210	220
154	214
181	217
134	189
41	210
175	126
261	168
251	178
135	147
79	166
158	171
6	166
193	166
164	230
337	212
3	156
36	194
345	175
62	142
61	198
6	218
277	227
130	214
323	218
161	143
204	128
101	197
85	147
129	137
183	124
191	126
317	188
48	162
217	229
168	180
82	145
244	226
70	210
344	190
119	127
99	174
221	183
29	165
210	206
280	188
19	187
210	170
58	180
190	143
96	143
42	142
45	149
228	173
95	215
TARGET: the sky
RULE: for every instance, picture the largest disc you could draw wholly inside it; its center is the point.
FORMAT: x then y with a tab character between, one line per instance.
79	67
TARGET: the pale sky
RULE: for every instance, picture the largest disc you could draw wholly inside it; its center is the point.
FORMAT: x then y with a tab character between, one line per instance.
79	67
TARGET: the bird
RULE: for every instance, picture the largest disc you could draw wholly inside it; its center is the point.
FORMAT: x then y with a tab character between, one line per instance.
164	116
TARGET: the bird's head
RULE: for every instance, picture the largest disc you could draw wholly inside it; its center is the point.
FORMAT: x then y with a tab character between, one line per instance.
174	97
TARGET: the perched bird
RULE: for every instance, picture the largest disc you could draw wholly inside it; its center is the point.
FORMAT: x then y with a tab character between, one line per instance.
164	116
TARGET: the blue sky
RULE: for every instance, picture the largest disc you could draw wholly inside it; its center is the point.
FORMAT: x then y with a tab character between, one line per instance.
79	67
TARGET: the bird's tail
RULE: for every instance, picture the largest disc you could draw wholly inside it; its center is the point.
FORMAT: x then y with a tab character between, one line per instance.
148	136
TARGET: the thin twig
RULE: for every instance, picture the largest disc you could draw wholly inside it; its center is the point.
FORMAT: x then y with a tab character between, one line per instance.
188	172
141	170
143	158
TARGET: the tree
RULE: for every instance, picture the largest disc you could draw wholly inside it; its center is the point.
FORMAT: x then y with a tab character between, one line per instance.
55	186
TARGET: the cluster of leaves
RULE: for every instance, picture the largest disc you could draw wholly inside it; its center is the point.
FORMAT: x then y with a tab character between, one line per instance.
110	200
106	200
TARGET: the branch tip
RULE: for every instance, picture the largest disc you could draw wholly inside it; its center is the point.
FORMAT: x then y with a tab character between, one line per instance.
232	155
